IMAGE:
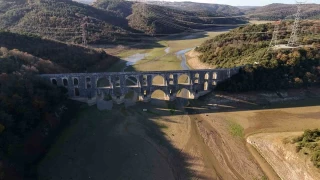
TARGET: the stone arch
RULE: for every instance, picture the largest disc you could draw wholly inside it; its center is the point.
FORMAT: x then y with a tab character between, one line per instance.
54	81
184	79
183	93
158	80
103	83
132	81
65	81
75	81
158	94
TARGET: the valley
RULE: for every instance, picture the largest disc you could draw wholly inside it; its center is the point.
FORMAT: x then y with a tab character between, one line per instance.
248	126
204	140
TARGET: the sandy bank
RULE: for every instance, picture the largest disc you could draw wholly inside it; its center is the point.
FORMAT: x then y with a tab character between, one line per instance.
194	61
282	157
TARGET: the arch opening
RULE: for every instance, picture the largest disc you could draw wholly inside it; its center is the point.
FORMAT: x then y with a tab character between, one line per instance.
103	83
205	86
118	82
206	76
75	81
132	82
183	93
54	81
183	79
158	81
144	80
65	82
158	94
214	83
214	76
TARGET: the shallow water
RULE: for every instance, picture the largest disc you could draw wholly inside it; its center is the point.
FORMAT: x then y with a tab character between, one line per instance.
182	56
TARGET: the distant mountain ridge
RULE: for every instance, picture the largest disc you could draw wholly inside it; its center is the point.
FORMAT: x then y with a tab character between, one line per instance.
105	21
279	11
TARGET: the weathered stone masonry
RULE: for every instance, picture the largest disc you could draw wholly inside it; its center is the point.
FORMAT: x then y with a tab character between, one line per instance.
90	87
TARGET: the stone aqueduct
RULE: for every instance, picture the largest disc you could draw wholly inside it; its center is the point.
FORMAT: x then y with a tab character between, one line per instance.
91	87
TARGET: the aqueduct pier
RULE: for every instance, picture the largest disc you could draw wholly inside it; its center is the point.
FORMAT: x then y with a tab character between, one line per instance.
92	87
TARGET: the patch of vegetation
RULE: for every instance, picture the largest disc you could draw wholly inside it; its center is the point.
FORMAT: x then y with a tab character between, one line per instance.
172	108
162	126
310	143
264	70
236	129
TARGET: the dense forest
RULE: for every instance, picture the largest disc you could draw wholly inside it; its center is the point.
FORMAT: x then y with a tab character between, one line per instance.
29	105
263	68
283	11
106	21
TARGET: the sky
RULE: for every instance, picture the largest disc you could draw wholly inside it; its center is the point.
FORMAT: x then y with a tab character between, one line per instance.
248	2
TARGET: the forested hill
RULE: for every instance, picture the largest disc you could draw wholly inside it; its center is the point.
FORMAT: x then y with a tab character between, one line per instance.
284	11
27	103
273	69
106	21
204	8
70	58
155	19
62	20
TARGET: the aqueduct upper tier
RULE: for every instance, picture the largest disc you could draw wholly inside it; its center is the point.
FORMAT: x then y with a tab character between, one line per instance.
93	86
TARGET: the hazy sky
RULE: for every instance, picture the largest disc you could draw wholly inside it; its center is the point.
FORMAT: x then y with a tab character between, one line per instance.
248	2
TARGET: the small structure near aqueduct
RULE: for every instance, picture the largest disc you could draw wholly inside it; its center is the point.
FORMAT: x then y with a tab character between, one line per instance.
91	87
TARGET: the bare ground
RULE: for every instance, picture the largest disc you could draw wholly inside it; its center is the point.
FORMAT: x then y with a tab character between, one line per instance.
194	61
282	156
175	143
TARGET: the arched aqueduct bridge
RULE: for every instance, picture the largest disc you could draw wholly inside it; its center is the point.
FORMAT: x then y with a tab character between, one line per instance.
90	87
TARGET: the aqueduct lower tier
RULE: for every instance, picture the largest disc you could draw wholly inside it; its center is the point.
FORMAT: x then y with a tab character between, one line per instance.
90	87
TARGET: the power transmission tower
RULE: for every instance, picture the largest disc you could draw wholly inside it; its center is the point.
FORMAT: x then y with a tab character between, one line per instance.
274	40
84	31
293	41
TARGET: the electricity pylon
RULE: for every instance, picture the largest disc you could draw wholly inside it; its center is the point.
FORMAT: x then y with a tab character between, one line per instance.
293	41
274	41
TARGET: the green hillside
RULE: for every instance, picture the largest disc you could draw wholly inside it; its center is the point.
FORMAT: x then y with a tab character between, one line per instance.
72	58
277	68
284	11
